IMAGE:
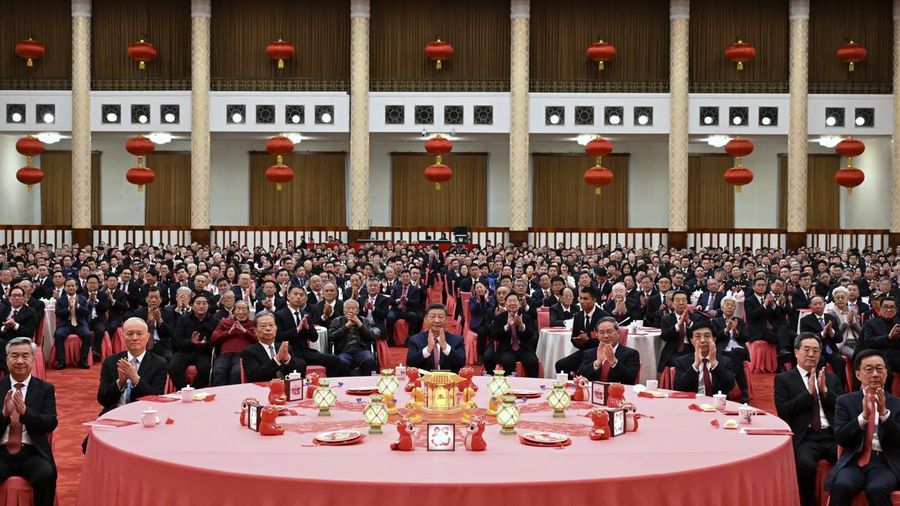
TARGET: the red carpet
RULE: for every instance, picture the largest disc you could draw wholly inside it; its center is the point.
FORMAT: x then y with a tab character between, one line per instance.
76	403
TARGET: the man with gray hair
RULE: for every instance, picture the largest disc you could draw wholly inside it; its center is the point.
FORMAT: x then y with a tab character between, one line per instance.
352	339
264	361
129	375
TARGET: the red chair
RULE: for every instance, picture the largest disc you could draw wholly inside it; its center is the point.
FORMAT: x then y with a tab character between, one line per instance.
470	337
823	467
318	369
623	336
39	371
16	491
895	385
667	378
106	348
118	341
520	370
543	318
190	374
39	334
243	374
401	332
763	356
384	353
73	352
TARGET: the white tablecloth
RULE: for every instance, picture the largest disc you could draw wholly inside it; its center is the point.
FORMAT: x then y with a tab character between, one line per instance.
648	344
322	343
553	344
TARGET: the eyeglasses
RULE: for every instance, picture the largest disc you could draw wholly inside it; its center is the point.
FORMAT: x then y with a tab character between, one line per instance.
872	370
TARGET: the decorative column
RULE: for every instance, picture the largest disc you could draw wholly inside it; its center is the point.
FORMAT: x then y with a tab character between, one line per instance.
81	122
797	128
359	119
201	11
519	187
894	238
679	33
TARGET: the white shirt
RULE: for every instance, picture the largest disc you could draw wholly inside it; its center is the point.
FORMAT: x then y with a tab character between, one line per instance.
701	387
26	439
732	342
805	375
130	358
876	443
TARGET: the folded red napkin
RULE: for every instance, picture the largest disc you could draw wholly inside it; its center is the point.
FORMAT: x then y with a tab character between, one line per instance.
169	421
157	398
210	398
682	395
714	423
767	432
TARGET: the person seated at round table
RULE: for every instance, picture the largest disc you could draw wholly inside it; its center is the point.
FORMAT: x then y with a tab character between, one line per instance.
435	349
706	371
233	333
352	339
264	361
613	362
515	337
731	338
489	359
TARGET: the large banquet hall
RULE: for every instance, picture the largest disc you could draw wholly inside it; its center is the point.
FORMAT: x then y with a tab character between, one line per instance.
432	252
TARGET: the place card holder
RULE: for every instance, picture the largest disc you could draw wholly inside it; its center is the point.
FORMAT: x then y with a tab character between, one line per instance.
294	388
616	421
254	415
599	393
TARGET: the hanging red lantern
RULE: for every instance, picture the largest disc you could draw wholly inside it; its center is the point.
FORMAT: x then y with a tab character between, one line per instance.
279	174
438	51
280	50
279	146
30	50
598	147
142	52
850	148
437	174
740	53
140	176
438	146
738	147
601	52
29	146
140	147
30	176
738	176
598	176
851	53
849	178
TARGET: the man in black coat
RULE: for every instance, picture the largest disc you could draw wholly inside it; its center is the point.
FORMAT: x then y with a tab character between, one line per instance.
97	305
883	334
160	327
676	332
805	399
29	405
706	371
434	348
192	343
129	375
584	324
17	320
516	338
374	307
295	326
71	317
731	338
828	327
261	361
613	362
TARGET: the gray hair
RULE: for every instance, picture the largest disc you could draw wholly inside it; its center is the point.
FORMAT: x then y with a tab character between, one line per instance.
840	289
729	298
263	314
609	319
19	341
183	289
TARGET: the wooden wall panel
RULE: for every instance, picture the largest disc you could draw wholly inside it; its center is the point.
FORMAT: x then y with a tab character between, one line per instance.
462	201
316	196
168	198
49	22
710	198
562	198
56	188
823	198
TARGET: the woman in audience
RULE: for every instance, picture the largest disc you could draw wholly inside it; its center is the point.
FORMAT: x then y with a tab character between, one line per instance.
849	320
481	311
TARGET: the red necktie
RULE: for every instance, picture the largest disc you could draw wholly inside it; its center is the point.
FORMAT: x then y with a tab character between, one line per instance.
515	336
681	338
604	370
866	453
14	443
437	356
816	421
707	379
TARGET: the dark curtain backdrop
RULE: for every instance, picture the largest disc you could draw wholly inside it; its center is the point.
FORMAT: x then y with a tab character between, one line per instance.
715	24
56	188
316	196
462	201
164	23
562	198
319	31
710	198
823	195
562	30
168	198
50	23
831	24
477	29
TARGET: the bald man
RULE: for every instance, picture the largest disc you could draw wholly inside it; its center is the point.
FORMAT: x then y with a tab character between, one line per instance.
127	376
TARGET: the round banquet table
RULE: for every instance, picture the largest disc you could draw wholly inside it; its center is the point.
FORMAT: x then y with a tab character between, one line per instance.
207	457
648	342
554	343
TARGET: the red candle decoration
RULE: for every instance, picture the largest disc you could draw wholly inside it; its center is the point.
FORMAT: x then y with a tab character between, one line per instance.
851	53
601	52
740	53
438	51
142	52
30	50
599	177
438	146
279	174
30	176
140	176
438	173
281	51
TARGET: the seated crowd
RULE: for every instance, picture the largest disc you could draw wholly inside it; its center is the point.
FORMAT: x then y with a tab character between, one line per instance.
222	315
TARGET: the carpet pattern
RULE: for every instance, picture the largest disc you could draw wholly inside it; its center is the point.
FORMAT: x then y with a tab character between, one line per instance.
76	403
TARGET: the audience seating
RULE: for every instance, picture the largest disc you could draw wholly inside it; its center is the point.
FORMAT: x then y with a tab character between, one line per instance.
543	318
470	338
401	332
106	348
763	356
17	491
667	378
73	352
118	341
520	370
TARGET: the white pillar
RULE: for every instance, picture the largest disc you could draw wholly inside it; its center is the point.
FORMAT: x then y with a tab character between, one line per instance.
201	11
895	144
359	115
797	128
519	155
81	121
679	33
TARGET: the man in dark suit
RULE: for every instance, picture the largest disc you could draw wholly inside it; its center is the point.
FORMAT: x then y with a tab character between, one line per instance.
867	427
618	305
118	304
17	320
129	375
706	371
352	339
151	280
640	298
295	326
565	309
261	361
160	328
613	362
405	304
827	326
374	307
97	304
71	317
676	332
131	288
805	398
193	343
710	301
515	337
656	305
329	308
543	295
243	290
760	313
435	349
28	417
583	324
270	301
883	334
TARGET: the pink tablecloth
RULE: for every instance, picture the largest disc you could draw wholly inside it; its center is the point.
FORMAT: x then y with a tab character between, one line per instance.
206	457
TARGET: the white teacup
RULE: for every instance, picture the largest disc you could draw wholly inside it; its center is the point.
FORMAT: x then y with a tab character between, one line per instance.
652	385
187	394
149	418
562	377
719	401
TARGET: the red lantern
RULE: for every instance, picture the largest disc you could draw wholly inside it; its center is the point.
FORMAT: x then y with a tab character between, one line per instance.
438	146
850	148
738	176
279	146
438	51
601	52
598	147
30	176
142	52
280	50
740	52
140	176
30	50
279	174
849	177
738	147
437	174
29	147
140	147
851	53
598	176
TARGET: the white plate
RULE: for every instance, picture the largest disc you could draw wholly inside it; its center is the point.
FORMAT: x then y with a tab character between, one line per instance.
338	436
546	437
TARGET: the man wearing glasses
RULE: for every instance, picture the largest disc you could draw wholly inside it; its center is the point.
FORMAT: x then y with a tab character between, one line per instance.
805	398
883	334
704	370
868	431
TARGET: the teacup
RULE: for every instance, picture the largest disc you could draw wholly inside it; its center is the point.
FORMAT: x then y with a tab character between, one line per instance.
187	394
149	418
652	385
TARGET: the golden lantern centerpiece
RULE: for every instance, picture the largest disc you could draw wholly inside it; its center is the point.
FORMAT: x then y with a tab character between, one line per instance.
375	414
498	386
387	386
559	399
440	395
508	415
324	397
